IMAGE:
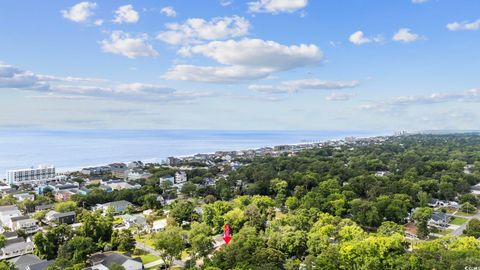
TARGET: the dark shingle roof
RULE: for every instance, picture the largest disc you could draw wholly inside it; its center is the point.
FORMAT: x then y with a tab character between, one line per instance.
22	262
20	218
10	234
41	265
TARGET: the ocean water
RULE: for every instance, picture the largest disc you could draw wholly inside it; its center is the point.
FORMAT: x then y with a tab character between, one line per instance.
74	149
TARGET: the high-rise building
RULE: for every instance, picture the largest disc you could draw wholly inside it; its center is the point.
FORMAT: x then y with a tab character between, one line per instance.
39	175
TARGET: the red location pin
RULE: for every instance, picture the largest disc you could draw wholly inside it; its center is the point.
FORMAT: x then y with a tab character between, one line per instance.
226	234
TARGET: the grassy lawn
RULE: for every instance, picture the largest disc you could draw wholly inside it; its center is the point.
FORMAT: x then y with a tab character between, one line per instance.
145	239
445	232
458	221
449	210
148	258
460	213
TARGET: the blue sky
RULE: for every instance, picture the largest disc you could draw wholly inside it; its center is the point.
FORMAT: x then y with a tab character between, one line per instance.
256	64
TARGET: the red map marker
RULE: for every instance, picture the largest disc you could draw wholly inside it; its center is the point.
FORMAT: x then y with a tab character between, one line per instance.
226	234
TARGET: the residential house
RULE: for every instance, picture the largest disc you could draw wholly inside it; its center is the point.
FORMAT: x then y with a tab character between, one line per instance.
137	221
103	261
24	223
44	207
382	173
30	262
135	165
119	170
180	177
63	195
119	185
7	212
159	225
83	191
169	178
24	196
138	174
118	206
54	217
15	247
439	219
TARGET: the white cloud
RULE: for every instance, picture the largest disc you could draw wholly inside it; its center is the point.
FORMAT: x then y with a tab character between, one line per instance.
168	11
471	95
261	54
244	60
419	1
126	14
130	46
359	38
77	87
98	22
13	77
456	26
405	35
339	96
276	6
208	74
321	84
195	30
225	3
306	84
79	12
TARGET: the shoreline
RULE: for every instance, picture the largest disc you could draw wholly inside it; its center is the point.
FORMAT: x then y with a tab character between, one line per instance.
159	160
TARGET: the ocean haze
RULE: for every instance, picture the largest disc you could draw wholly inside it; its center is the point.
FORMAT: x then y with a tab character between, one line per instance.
73	149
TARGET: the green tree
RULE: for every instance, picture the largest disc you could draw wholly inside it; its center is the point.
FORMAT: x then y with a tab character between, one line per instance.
2	241
473	228
390	228
170	243
123	240
6	265
182	211
67	206
96	226
47	243
75	251
468	208
236	218
200	239
421	217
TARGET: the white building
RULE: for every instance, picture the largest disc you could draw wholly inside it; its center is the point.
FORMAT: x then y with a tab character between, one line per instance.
180	177
41	174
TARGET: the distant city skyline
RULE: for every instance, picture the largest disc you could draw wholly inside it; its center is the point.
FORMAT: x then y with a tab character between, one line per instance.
240	65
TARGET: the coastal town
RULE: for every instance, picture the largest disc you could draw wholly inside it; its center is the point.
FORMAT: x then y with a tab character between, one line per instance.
38	200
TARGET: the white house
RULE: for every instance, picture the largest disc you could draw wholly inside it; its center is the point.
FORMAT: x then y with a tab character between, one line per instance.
7	212
159	225
118	206
24	196
180	177
24	223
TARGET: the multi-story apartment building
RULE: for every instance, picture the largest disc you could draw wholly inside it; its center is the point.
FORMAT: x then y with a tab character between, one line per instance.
39	175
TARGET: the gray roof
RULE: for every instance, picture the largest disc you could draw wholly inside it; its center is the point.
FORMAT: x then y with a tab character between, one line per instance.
14	241
20	218
8	208
110	258
44	206
118	203
41	265
22	262
66	214
10	234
